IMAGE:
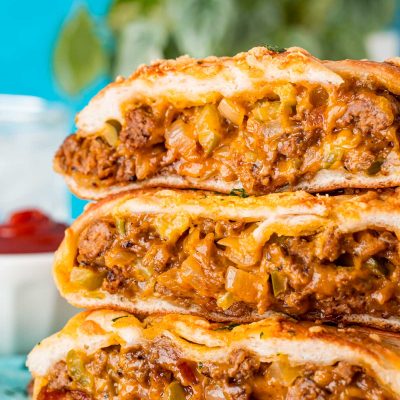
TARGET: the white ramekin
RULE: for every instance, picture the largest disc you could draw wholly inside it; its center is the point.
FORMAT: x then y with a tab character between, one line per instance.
30	306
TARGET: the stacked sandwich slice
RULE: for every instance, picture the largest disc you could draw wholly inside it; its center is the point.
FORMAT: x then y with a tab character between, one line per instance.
195	294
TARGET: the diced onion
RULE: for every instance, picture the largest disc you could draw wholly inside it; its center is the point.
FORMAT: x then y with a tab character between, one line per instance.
287	94
179	137
225	301
384	293
143	272
117	256
267	111
282	371
244	249
192	275
214	392
232	111
170	227
347	139
86	278
243	285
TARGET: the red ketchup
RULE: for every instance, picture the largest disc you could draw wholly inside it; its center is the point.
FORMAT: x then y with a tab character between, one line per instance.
30	231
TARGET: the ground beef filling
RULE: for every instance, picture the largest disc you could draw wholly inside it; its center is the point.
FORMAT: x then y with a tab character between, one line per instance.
270	144
158	372
211	264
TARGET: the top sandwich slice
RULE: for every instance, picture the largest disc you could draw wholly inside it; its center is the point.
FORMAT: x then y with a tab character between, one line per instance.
258	122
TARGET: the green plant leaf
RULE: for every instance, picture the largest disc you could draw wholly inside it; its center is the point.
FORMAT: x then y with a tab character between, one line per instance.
139	42
200	26
299	36
124	11
79	57
255	22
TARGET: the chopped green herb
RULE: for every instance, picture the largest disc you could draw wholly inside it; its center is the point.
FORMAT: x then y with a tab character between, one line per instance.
227	327
239	192
200	365
117	318
274	48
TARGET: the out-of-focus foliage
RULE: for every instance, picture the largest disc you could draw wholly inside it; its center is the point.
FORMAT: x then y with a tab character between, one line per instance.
149	29
79	56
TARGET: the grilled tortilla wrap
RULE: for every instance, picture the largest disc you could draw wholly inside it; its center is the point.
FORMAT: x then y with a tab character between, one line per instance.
112	355
260	121
229	258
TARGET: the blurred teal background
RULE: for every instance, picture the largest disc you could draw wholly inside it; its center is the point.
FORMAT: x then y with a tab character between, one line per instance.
28	34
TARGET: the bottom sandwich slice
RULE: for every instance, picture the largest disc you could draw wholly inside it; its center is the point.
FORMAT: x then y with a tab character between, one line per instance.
112	355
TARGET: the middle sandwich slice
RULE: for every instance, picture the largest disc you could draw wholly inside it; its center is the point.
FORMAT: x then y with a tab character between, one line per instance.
229	258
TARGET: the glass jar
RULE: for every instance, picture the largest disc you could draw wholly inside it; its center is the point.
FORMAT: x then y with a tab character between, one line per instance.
31	130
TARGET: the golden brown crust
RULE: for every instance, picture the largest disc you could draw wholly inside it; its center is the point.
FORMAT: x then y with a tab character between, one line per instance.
383	75
186	82
323	181
200	341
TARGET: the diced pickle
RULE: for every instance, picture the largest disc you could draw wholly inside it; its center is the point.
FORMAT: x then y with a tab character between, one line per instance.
373	265
279	282
375	167
208	128
116	124
110	134
77	371
120	225
333	156
209	140
175	391
86	278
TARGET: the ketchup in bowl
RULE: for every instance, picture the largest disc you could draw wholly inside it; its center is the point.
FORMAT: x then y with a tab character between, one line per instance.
30	231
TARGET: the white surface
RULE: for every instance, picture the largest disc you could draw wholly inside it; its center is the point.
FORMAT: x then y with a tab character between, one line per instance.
30	307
